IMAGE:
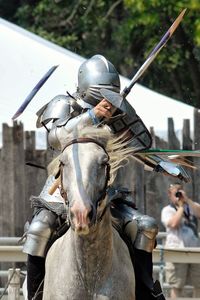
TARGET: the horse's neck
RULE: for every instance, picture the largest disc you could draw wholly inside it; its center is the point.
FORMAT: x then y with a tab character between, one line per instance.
92	254
125	176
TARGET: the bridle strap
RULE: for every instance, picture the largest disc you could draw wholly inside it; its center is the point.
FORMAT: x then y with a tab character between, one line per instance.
100	217
84	140
63	192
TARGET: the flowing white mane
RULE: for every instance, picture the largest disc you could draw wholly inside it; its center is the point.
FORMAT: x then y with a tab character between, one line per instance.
115	146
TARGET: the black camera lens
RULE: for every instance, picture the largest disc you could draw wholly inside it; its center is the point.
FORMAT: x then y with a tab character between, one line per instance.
178	194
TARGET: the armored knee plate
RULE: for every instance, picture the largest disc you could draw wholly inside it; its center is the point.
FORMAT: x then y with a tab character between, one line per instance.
147	231
39	233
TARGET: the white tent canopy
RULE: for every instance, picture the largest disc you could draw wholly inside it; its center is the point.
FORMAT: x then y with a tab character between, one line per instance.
25	58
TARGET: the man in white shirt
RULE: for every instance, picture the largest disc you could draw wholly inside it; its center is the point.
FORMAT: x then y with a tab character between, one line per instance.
180	220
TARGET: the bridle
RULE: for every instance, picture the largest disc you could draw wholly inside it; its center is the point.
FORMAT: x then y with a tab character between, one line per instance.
107	175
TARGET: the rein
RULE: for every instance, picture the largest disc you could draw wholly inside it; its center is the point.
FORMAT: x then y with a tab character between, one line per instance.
105	189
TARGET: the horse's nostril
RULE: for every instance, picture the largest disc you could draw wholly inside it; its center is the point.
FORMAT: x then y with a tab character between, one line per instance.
90	215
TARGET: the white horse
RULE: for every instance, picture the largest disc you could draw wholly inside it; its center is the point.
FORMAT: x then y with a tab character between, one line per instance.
90	261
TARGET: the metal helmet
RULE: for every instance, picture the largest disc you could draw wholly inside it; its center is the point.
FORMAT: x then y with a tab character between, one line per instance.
94	74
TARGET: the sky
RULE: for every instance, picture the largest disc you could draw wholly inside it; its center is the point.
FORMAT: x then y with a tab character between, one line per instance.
25	58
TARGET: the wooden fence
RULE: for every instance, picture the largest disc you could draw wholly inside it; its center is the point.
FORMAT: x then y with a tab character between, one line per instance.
19	181
12	253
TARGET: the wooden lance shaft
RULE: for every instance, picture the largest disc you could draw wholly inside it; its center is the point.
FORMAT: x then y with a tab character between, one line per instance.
54	186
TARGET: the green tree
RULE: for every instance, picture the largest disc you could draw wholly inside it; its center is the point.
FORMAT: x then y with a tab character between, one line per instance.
176	69
125	31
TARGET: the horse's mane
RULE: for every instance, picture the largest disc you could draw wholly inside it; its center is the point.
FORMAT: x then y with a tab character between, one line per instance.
116	146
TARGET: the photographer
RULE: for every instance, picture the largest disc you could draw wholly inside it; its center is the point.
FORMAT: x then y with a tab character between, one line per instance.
180	220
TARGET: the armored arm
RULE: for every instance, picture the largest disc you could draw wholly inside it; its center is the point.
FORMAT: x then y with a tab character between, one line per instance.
126	119
64	111
69	123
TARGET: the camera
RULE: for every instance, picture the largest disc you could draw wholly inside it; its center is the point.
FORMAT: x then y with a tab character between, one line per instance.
178	194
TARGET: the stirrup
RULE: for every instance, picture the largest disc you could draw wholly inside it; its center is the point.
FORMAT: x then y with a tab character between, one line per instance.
157	292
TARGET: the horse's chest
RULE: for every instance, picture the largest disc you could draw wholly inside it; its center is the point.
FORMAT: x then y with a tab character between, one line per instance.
109	287
76	288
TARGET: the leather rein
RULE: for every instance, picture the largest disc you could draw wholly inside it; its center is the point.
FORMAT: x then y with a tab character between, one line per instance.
105	189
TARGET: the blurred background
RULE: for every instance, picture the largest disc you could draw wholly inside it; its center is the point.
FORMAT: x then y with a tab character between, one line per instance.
36	35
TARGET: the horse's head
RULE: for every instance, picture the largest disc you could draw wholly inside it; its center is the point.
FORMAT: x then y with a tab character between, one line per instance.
88	156
85	174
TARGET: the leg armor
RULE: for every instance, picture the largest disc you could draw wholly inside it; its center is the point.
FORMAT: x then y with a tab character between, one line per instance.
42	225
140	229
39	233
140	233
147	232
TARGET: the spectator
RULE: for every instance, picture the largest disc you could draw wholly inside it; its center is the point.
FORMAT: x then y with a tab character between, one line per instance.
180	220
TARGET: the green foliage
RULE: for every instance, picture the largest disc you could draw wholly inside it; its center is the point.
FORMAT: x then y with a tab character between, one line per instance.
125	32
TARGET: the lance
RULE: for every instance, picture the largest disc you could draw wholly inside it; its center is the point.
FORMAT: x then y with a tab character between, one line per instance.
34	92
117	99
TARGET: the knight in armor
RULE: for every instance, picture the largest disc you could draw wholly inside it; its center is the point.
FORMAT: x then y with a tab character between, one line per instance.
88	107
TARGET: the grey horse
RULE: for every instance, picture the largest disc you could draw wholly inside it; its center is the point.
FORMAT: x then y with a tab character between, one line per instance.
90	261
